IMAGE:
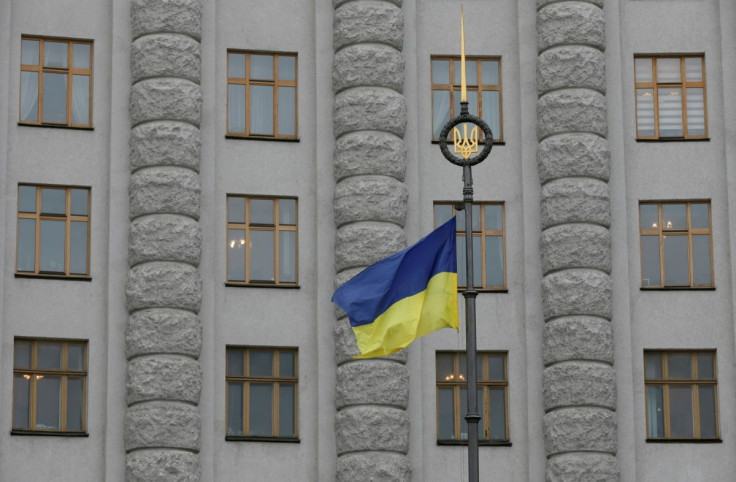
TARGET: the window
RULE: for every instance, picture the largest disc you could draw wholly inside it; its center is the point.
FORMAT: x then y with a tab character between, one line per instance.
452	396
670	97
681	394
49	386
489	247
483	77
261	240
53	231
261	95
676	244
262	395
56	82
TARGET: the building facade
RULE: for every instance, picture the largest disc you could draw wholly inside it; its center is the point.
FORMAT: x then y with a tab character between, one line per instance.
185	183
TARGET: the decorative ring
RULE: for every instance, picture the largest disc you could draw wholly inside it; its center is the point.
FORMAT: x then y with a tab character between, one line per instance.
461	119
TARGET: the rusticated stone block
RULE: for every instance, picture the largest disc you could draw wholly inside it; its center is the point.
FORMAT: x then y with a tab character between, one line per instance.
164	237
364	243
370	152
163	330
579	429
571	110
377	382
575	200
577	292
180	16
372	428
165	143
371	21
162	424
369	108
346	347
163	377
571	66
164	55
577	338
164	285
368	64
573	155
579	383
160	465
164	190
373	466
570	23
165	98
370	198
576	246
587	467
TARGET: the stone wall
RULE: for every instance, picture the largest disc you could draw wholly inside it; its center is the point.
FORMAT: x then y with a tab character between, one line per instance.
370	198
164	289
579	384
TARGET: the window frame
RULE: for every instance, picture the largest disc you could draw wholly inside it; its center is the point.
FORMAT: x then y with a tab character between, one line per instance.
63	373
68	218
70	71
689	232
275	83
683	85
276	381
483	382
695	383
472	86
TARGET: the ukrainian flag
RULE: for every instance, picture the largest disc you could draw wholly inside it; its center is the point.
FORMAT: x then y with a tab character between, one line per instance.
405	296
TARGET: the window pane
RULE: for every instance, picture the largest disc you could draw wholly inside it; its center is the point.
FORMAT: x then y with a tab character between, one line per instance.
287	212
49	356
463	366
676	267
236	210
21	401
27	245
235	362
498	414
701	260
29	96
471	74
477	262
648	216
287	256
29	52
261	211
236	65
74	403
261	409
53	201
54	98
52	246
445	368
655	412
287	67
27	199
75	357
693	69
287	403
668	70
643	68
653	366
700	215
681	411
236	108
670	112
440	111
262	256
462	279
705	366
22	354
236	254
80	99
48	402
287	111
55	54
707	411
442	214
440	71
261	109
494	261
491	109
287	361
80	53
674	216
476	217
679	366
261	363
645	112
472	107
446	429
464	410
80	202
489	74
494	217
261	67
695	112
495	367
78	248
235	408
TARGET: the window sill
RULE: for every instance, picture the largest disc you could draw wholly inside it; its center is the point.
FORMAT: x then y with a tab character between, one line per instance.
678	288
51	276
675	139
253	285
481	443
245	438
256	138
684	440
495	143
57	126
51	434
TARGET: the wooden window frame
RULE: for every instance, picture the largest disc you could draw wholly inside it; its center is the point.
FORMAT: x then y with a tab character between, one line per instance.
68	218
665	382
484	383
70	71
684	84
663	232
474	85
483	233
33	374
276	228
275	381
275	83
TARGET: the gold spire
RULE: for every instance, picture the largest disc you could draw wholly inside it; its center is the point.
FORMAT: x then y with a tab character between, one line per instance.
463	85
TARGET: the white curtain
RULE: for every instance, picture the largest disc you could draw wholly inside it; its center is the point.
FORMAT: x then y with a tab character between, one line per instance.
261	109
29	96
80	100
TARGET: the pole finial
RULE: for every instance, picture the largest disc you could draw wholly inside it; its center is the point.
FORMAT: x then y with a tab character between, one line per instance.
463	86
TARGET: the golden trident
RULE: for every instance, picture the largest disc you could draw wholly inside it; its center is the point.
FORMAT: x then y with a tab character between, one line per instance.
463	145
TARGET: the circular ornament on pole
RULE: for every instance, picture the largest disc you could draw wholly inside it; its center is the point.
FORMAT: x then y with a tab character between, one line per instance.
464	144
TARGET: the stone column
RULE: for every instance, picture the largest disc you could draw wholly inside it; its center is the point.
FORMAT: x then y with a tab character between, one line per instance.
369	118
164	288
573	161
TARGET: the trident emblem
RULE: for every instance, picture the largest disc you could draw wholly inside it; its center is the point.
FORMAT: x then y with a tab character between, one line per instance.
463	145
